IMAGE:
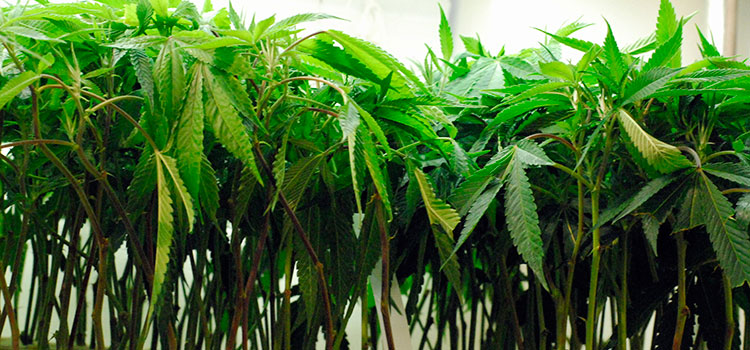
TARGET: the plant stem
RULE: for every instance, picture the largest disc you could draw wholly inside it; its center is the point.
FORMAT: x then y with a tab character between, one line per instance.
505	278
385	304
729	312
682	310
622	305
563	314
15	334
594	280
308	246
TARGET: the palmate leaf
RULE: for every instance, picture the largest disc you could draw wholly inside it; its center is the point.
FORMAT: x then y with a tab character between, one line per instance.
208	196
632	203
664	157
486	73
339	59
283	26
181	192
522	219
666	54
190	132
439	212
666	23
143	72
298	176
226	123
16	85
730	243
529	153
446	37
139	42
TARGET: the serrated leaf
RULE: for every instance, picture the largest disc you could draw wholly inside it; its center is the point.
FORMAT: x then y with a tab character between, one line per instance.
449	263
735	172
438	211
557	70
613	56
529	153
208	196
578	44
646	84
664	157
666	54
298	177
289	23
165	230
173	175
226	123
743	211
651	231
485	74
340	60
666	23
469	191
143	72
14	86
143	183
634	202
730	243
446	37
537	90
522	219
139	42
169	76
708	49
476	212
190	132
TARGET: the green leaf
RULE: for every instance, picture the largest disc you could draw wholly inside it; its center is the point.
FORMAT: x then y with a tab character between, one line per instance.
613	56
666	23
646	84
372	160
664	157
173	175
169	75
208	196
651	231
743	211
557	70
349	122
735	172
708	49
139	42
143	72
529	153
143	183
14	86
537	90
160	7
165	231
485	74
634	202
666	54
298	177
730	243
522	219
449	263
580	45
438	211
190	132
473	45
226	123
339	59
379	61
476	212
464	197
286	24
446	37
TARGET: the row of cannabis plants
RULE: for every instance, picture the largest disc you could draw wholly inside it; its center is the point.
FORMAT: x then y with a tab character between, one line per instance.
264	183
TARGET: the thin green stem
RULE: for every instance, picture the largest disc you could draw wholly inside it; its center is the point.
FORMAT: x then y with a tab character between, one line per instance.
682	310
576	175
622	300
728	312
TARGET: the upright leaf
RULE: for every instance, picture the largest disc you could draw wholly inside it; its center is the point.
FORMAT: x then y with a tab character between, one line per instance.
446	37
666	23
613	56
666	54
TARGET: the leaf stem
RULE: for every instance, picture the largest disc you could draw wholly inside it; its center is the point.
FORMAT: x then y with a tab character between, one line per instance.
15	335
385	305
728	312
576	175
682	310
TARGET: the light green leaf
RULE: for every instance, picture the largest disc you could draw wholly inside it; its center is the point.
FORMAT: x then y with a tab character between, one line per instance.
613	56
537	90
438	211
666	54
666	23
446	37
646	84
557	70
288	23
529	153
160	7
522	219
139	42
209	191
169	75
165	231
664	157
173	175
16	85
144	72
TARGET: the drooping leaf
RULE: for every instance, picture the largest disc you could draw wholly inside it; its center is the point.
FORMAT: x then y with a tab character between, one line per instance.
190	132
372	161
439	212
449	263
743	211
651	230
14	86
208	196
298	177
664	157
633	202
165	230
730	243
176	183
469	191
446	36
529	153
476	212
226	123
144	72
522	219
169	76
